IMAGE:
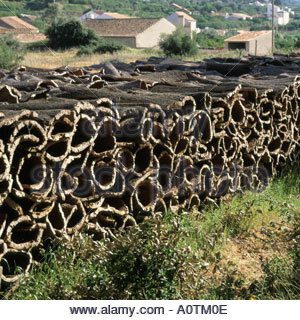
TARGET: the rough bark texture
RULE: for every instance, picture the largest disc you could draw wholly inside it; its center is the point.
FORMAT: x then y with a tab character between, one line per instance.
102	147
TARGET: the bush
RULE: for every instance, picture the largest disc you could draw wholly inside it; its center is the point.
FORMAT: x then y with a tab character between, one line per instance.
71	33
178	43
11	52
42	45
287	42
100	46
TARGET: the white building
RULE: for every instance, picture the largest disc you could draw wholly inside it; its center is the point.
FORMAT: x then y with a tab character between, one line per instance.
281	16
257	4
269	9
180	18
98	14
238	16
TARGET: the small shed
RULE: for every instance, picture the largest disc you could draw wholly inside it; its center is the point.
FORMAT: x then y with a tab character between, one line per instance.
135	32
258	43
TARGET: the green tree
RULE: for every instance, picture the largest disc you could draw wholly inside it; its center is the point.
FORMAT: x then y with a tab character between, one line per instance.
71	33
178	43
52	12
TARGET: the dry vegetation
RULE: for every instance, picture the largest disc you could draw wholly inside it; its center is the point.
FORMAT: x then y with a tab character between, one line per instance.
54	59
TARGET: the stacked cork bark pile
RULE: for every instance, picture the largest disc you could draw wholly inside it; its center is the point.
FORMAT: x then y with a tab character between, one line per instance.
101	148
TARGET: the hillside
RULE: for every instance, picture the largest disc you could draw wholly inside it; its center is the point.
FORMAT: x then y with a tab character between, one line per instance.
200	10
140	8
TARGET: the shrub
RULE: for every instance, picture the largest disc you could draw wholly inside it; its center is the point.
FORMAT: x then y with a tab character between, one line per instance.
286	42
297	44
11	52
41	45
178	43
100	46
71	33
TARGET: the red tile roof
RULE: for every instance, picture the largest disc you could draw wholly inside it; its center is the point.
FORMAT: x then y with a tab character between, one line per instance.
186	16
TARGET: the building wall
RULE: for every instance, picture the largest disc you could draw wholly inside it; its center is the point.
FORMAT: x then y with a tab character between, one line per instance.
279	21
150	37
263	46
181	21
173	18
269	9
193	25
284	16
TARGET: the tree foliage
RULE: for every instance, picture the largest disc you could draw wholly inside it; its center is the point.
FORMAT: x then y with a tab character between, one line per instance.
178	43
71	33
52	12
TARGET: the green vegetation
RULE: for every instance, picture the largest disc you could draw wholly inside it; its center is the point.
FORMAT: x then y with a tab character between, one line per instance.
47	12
287	42
100	46
52	12
71	33
178	43
247	247
11	52
210	39
64	34
156	8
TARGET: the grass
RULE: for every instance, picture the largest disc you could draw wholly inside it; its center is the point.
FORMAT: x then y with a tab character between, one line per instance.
49	58
52	59
248	247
